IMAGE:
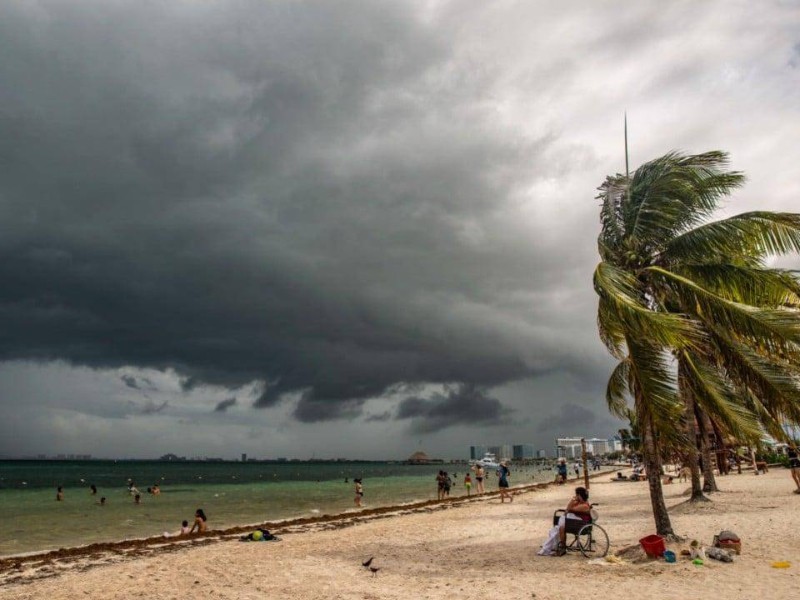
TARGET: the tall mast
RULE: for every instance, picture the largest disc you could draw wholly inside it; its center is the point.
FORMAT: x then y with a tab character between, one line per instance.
627	170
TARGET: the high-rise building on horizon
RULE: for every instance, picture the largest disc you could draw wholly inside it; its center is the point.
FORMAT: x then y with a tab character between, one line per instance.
523	451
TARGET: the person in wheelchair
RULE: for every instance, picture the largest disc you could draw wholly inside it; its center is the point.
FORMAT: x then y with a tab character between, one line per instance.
579	510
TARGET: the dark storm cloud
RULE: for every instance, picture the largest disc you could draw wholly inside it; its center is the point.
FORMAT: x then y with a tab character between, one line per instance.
141	384
279	196
224	405
569	418
151	408
464	404
130	381
378	418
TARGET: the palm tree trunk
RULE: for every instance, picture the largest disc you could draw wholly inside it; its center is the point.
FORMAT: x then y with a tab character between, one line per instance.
709	482
722	451
691	461
691	454
653	466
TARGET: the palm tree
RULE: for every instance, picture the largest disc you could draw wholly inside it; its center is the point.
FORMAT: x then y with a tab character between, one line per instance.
702	328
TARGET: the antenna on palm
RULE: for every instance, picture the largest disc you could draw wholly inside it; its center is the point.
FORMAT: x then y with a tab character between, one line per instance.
627	169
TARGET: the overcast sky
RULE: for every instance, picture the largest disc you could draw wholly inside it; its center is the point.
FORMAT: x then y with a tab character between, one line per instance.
338	228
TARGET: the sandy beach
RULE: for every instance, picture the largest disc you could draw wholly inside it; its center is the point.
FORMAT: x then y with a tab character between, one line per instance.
473	549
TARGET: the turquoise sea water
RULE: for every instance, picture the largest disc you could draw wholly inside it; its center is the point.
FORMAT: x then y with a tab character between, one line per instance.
229	493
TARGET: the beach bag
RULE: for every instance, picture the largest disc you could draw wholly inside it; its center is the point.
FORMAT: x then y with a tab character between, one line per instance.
260	535
728	540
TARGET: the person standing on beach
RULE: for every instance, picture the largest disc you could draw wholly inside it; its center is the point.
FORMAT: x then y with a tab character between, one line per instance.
440	485
503	473
794	465
60	494
479	474
561	471
93	489
200	521
468	484
448	483
359	492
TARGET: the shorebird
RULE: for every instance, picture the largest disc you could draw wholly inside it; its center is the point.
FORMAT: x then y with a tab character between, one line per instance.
374	570
367	562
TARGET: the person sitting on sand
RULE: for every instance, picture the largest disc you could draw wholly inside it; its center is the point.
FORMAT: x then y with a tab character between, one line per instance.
185	528
200	521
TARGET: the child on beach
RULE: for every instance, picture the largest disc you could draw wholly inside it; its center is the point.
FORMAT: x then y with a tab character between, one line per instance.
60	494
468	484
185	528
359	492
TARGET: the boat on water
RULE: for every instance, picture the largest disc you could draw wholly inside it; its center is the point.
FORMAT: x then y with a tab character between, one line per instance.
489	461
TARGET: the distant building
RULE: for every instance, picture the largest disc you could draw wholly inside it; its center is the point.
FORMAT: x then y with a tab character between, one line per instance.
172	457
541	454
599	447
420	458
477	452
571	447
244	457
522	451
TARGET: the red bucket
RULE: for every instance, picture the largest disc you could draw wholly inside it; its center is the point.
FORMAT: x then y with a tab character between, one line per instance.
653	545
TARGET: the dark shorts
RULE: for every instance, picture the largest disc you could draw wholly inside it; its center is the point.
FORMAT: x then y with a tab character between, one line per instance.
503	483
794	463
479	479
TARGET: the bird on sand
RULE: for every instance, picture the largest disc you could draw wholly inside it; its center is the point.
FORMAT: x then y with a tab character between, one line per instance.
374	570
367	562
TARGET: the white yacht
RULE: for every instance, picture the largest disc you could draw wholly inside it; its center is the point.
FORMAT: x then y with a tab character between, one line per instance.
488	462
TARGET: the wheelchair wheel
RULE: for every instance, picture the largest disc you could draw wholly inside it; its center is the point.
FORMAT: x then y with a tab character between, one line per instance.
593	541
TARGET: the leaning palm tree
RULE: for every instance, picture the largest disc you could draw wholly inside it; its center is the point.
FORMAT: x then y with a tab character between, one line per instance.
702	328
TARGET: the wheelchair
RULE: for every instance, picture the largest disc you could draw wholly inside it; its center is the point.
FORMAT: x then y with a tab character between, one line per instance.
589	539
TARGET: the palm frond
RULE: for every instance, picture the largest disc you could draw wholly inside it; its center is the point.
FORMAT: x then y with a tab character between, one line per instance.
750	236
776	383
651	374
774	327
611	329
623	295
675	191
618	390
716	397
774	288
